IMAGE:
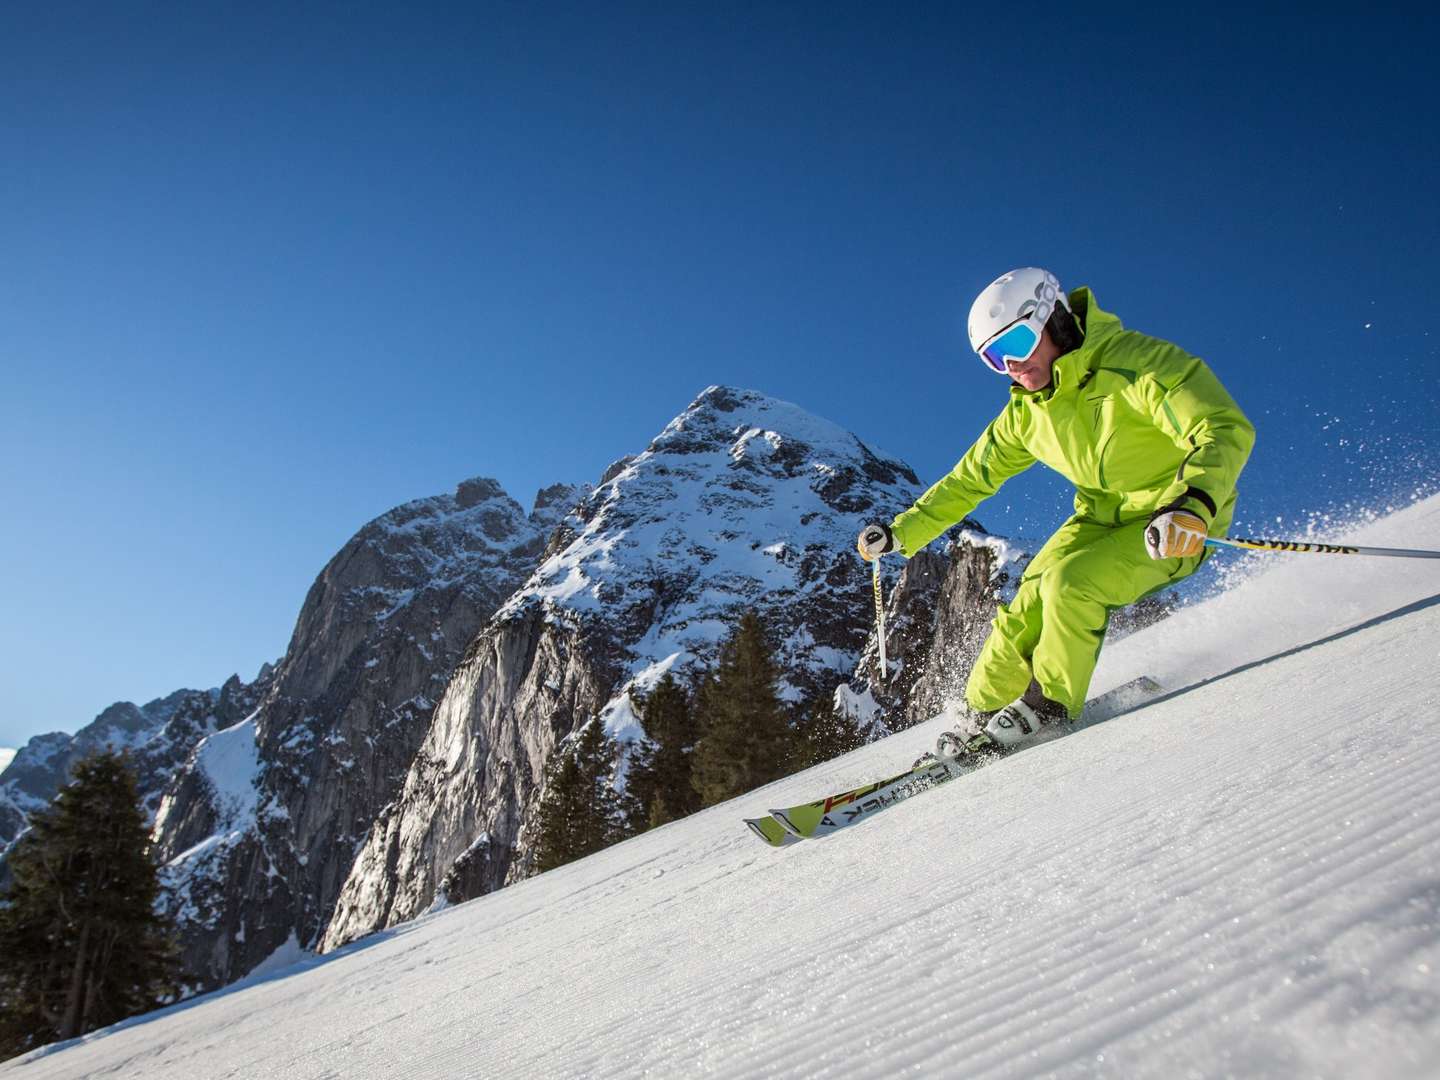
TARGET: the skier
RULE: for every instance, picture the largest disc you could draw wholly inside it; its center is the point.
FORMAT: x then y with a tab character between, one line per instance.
1152	443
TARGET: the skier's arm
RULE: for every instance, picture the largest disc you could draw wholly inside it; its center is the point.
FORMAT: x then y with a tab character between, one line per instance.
1190	405
996	456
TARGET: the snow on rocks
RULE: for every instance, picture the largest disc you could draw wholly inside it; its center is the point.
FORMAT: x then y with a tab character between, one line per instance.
741	502
159	736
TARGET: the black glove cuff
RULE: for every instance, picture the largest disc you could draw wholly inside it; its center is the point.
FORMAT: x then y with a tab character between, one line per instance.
1194	495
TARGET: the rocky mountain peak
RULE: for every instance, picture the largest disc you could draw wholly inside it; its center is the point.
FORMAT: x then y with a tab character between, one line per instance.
741	502
260	826
476	490
553	503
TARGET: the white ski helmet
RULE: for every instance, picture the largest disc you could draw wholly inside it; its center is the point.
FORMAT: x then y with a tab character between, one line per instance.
1025	298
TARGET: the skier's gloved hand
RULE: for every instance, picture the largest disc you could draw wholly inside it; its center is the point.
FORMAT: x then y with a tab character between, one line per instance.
876	540
1175	533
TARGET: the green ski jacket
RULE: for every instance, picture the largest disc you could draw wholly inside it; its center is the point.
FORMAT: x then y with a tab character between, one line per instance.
1135	423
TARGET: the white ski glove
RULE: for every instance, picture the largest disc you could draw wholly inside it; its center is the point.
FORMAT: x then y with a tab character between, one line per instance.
1175	534
876	540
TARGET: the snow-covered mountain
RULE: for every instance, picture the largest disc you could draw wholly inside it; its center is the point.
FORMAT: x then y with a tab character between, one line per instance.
742	501
159	736
6	756
258	830
1238	879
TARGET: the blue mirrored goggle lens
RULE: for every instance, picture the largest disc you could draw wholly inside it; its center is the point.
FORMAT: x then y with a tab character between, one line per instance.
1017	343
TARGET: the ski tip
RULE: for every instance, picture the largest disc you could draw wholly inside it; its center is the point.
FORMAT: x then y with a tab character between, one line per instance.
782	818
771	831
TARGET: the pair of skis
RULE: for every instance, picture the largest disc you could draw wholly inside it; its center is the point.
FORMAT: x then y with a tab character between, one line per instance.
791	824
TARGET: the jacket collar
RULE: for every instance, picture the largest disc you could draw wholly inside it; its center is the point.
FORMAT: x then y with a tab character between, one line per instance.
1072	369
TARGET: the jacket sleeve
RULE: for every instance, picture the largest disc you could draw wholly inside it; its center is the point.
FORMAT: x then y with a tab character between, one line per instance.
1190	405
996	456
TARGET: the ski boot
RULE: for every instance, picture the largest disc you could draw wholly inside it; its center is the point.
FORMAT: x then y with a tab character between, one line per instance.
1001	730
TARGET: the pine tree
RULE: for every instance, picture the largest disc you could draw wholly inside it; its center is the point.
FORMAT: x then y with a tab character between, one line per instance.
81	944
825	732
580	813
660	777
747	738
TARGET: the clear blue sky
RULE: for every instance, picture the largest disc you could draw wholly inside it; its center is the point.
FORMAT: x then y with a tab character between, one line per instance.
266	273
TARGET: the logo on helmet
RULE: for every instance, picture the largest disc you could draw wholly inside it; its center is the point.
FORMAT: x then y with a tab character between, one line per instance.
1041	311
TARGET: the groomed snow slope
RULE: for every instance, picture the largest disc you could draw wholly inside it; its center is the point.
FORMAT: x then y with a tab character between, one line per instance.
1240	879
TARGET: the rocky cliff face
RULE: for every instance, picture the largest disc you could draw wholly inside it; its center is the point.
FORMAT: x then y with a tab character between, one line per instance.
741	502
259	829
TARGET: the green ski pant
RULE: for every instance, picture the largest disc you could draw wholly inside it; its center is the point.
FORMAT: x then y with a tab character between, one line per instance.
1053	629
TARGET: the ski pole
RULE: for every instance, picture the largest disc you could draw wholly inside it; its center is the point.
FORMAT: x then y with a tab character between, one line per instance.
880	617
1320	549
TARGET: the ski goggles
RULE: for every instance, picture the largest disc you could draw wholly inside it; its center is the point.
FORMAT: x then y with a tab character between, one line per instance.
1018	342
